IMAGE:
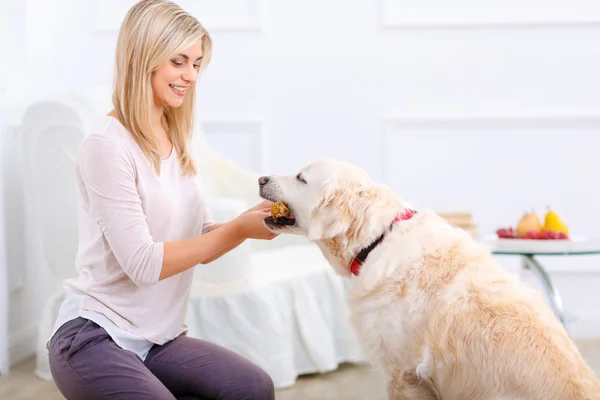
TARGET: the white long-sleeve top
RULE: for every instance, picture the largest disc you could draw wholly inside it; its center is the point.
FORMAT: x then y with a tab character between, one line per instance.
126	213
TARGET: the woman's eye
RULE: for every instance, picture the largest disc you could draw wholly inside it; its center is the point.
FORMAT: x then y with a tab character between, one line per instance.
177	63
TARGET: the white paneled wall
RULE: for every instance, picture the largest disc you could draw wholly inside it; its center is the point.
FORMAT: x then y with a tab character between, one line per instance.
245	135
4	288
465	13
225	15
500	95
4	283
497	167
3	44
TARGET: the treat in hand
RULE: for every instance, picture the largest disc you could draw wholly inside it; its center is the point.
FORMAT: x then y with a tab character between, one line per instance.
280	210
281	215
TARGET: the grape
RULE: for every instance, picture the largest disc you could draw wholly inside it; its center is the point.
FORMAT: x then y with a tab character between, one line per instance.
506	233
533	235
510	233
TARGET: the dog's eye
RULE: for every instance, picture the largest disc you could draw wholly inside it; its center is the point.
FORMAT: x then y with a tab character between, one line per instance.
300	178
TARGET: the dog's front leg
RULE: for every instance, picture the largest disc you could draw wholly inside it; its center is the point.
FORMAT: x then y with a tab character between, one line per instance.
408	386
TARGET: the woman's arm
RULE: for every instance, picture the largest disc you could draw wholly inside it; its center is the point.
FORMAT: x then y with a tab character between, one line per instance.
181	255
107	181
264	206
233	246
215	226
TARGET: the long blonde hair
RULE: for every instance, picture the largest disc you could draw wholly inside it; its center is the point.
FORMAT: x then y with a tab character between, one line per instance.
152	32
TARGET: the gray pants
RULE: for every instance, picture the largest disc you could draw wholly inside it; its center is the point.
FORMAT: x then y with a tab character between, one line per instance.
86	364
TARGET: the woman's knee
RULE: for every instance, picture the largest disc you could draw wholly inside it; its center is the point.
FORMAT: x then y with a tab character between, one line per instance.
255	385
264	388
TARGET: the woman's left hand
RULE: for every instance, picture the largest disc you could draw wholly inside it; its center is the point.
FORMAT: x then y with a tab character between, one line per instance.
263	206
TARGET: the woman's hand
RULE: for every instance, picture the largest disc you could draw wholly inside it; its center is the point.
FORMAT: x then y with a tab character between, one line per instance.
264	206
183	254
251	223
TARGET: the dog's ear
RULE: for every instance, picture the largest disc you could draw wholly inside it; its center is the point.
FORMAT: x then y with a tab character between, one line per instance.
335	214
345	209
329	218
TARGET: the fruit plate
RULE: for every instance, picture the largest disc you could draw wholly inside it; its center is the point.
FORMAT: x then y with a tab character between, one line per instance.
576	244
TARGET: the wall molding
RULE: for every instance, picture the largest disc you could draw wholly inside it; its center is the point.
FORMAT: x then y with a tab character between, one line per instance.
391	124
392	16
215	16
107	15
4	35
5	299
245	127
456	121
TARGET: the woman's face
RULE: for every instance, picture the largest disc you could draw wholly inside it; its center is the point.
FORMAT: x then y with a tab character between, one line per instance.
171	79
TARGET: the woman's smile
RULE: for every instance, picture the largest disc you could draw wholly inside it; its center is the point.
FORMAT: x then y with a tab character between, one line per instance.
178	90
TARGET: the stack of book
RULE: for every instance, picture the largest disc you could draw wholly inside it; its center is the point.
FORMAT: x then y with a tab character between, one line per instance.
462	220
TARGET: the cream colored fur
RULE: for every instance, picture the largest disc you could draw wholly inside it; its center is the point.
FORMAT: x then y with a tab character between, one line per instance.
431	306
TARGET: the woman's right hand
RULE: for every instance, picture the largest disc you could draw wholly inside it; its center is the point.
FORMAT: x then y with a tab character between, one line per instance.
252	225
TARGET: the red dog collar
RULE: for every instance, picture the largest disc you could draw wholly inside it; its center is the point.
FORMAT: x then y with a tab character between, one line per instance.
360	258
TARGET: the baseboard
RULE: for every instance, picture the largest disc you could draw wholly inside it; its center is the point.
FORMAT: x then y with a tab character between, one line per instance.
22	344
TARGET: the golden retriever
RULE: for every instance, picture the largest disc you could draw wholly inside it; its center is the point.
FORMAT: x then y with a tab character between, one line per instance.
431	306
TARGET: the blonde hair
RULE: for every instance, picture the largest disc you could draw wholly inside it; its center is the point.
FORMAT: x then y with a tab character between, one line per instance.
152	32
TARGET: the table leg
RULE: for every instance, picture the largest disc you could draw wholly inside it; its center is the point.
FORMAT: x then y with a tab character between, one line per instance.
529	262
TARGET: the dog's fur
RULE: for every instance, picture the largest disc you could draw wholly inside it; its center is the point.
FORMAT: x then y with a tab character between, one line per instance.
430	305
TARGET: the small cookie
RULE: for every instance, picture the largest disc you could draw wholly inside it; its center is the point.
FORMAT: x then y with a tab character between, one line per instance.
280	210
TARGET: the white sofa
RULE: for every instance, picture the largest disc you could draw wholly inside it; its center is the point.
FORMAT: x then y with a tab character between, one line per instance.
276	302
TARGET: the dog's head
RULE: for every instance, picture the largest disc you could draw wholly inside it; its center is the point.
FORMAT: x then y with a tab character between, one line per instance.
334	204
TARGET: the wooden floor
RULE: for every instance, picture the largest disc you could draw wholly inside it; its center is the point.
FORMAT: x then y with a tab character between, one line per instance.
348	382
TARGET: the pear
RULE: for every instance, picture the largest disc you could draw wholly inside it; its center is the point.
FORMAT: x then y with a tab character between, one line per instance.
529	222
553	223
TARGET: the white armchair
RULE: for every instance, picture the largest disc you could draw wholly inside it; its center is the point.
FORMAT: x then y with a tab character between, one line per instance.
50	134
276	302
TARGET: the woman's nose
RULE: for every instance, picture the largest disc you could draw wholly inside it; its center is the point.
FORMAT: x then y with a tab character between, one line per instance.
190	76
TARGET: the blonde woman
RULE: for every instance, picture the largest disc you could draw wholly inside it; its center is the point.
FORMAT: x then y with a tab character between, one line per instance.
143	224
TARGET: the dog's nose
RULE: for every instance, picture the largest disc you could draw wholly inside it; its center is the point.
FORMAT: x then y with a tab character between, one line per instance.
263	180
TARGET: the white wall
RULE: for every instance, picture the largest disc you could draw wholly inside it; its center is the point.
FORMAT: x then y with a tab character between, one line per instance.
4	278
4	298
508	90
